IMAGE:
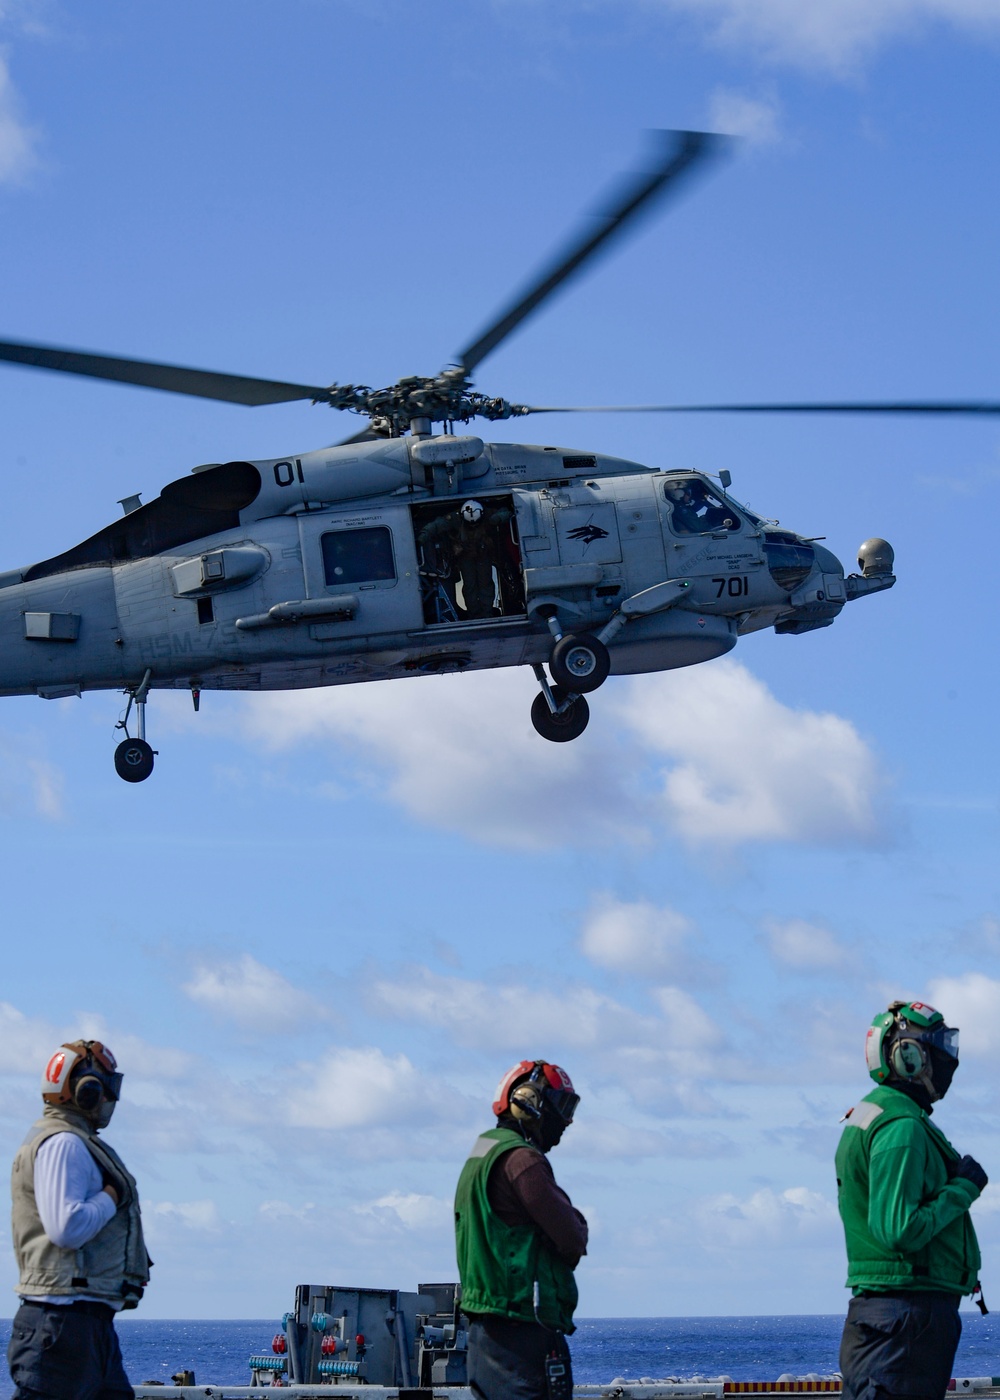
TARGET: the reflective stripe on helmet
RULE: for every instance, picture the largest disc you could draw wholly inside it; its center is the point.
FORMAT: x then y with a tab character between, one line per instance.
70	1058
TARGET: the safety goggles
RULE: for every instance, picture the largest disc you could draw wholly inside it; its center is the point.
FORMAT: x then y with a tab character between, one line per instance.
943	1038
562	1102
112	1084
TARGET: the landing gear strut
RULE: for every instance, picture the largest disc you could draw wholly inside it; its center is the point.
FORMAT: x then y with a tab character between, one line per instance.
558	714
134	757
578	664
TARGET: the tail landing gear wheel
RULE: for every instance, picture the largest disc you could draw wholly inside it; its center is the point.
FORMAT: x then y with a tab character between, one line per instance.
558	728
133	760
580	663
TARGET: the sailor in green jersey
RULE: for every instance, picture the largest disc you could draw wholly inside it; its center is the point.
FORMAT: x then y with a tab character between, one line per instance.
518	1240
904	1195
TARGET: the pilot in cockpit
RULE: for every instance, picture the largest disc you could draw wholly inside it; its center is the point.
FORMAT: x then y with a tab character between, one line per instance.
695	510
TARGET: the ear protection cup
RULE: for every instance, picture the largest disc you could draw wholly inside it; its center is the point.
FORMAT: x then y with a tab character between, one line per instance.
526	1102
87	1092
908	1058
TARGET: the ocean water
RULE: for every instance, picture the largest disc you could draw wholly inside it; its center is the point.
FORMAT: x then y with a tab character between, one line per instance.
743	1348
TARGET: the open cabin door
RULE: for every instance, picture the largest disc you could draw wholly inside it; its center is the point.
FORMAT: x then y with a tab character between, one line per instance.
469	559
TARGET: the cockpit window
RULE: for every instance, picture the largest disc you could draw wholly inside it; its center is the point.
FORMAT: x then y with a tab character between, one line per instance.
695	509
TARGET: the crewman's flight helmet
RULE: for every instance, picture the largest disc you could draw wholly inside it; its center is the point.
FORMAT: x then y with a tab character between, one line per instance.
83	1074
910	1043
472	512
540	1097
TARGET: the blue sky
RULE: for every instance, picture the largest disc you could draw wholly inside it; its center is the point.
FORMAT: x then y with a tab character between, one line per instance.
330	921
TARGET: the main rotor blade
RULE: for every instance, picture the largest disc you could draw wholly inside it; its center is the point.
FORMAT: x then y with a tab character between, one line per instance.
202	383
684	149
957	407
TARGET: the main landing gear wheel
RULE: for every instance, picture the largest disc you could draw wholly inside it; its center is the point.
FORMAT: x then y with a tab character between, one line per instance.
570	724
133	760
579	663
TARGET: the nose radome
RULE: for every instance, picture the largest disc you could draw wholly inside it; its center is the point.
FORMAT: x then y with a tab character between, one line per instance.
876	557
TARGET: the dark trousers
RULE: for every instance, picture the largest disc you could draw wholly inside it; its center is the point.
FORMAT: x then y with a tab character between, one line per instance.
66	1352
899	1343
507	1359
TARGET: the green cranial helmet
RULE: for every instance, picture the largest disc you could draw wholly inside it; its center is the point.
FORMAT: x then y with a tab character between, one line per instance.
910	1043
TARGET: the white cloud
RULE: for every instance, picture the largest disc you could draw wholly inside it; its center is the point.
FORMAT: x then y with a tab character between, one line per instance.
752	768
192	1215
836	35
279	1212
26	1042
805	946
17	140
767	1218
458	752
29	782
409	1209
136	1057
661	1061
756	119
603	1139
689	1026
355	1088
640	938
461	754
971	1002
510	1016
246	990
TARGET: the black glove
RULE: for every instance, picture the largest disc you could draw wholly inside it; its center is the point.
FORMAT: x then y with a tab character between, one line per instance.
969	1169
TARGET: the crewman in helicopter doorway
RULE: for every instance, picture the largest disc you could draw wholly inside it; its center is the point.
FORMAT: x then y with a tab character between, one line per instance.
519	1239
904	1195
77	1236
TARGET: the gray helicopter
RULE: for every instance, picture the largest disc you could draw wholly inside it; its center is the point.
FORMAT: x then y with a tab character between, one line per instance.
402	552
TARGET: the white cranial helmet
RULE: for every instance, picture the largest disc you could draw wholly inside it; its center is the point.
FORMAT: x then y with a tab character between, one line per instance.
472	512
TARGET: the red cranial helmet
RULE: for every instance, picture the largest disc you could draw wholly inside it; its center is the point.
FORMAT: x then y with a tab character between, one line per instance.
540	1097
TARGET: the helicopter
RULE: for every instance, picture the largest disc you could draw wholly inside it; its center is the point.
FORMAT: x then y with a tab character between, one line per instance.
405	552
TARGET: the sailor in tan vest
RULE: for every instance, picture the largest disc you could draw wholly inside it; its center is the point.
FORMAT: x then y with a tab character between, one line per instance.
77	1237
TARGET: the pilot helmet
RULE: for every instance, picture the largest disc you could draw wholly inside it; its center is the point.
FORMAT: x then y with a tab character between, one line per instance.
910	1043
83	1074
472	512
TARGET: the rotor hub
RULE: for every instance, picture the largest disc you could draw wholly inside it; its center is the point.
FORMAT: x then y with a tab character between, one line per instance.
448	398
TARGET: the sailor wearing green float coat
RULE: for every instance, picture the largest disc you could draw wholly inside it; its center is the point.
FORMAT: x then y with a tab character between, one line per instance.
904	1195
518	1240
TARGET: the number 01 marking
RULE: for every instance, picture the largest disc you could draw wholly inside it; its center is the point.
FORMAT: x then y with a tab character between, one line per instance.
736	585
285	473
